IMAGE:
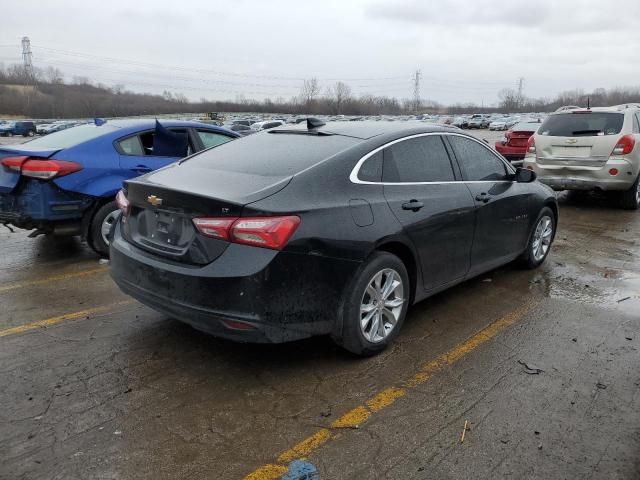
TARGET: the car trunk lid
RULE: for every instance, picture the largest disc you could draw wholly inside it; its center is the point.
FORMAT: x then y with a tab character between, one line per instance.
10	178
164	204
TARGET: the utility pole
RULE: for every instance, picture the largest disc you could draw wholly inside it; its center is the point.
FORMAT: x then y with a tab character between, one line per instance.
26	57
416	91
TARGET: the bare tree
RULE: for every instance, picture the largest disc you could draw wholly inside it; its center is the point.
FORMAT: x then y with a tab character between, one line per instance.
54	76
341	95
309	92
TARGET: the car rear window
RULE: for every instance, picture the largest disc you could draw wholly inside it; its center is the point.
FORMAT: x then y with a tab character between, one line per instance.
271	154
69	137
582	124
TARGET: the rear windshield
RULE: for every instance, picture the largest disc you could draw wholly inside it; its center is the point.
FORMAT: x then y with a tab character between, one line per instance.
271	154
582	124
69	137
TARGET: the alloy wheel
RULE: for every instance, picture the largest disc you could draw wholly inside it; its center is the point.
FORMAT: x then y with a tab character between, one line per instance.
542	237
107	224
381	305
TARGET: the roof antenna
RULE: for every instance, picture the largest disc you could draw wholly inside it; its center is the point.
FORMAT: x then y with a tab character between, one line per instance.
314	123
588	103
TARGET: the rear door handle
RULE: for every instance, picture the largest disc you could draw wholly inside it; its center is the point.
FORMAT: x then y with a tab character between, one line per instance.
483	197
413	205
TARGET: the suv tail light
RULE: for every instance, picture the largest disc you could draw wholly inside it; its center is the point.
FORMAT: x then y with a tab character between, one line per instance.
266	232
39	167
122	202
624	146
531	145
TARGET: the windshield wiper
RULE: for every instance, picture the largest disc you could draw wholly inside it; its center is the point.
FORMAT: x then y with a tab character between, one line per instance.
584	132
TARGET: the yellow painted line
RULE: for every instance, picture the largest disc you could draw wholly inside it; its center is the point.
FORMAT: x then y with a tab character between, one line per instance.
61	318
56	278
360	414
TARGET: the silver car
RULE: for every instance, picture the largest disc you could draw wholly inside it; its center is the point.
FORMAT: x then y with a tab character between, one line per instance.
590	149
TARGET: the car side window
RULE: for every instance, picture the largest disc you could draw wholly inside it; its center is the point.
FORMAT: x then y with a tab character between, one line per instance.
371	169
476	161
212	139
420	159
636	123
131	146
142	144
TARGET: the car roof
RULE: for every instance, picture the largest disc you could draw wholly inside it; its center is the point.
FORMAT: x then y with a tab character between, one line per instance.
368	129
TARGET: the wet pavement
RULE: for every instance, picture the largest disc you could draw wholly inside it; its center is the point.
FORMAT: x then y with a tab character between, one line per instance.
543	365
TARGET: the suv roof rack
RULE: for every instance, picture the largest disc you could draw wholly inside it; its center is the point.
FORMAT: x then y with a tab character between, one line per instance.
624	106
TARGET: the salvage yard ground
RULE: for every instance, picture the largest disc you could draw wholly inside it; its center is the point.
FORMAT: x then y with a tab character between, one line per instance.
543	365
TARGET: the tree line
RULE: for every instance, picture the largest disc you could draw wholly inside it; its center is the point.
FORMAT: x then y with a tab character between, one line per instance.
47	94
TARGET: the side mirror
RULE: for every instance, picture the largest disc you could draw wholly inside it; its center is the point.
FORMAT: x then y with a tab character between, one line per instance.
524	175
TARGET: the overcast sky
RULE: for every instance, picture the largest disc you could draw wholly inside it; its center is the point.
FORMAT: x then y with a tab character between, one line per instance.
466	50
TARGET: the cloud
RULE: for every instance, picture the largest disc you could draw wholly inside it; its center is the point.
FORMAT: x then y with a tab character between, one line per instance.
550	16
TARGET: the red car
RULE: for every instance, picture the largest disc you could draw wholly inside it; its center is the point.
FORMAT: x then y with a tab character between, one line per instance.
514	145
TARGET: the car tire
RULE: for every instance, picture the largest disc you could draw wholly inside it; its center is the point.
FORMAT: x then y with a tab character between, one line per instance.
103	217
365	296
630	199
30	133
539	244
9	134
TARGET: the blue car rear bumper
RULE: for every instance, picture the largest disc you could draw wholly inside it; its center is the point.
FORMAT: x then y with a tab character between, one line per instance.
37	204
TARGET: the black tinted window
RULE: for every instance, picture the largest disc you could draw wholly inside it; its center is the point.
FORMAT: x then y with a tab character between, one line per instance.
371	169
582	124
421	159
476	161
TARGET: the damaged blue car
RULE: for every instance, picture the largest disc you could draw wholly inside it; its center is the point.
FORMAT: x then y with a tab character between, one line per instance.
65	183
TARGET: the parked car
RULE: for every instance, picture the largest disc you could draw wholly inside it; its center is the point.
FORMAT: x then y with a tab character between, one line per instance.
325	229
266	125
515	142
48	128
499	124
479	121
26	129
65	183
460	122
241	129
590	149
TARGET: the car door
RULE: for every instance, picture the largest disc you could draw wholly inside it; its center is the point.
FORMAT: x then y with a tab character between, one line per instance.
137	151
502	205
434	207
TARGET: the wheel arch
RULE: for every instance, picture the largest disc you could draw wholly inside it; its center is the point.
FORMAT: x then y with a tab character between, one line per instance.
408	258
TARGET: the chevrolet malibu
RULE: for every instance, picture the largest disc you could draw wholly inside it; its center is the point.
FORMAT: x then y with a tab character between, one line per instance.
320	229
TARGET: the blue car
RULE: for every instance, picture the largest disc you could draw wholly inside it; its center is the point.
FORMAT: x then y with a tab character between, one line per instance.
65	183
26	129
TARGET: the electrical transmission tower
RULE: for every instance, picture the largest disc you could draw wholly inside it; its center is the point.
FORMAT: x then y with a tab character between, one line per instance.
520	91
416	92
26	57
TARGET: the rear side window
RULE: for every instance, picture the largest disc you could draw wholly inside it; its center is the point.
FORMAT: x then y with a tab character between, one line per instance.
582	124
212	139
371	169
476	161
131	146
145	144
421	159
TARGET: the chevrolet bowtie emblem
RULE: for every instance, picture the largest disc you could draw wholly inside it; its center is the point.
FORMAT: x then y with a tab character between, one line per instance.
572	140
153	200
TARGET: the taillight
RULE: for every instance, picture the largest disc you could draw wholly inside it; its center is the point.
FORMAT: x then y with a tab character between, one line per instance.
122	202
531	145
40	168
215	227
13	163
624	146
266	232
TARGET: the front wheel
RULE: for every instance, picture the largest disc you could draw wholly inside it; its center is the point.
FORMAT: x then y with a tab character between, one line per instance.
630	199
100	226
375	305
540	239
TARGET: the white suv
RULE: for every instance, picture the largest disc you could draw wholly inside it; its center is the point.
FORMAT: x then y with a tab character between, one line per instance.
590	149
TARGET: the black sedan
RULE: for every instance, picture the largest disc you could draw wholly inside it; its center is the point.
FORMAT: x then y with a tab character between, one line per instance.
325	229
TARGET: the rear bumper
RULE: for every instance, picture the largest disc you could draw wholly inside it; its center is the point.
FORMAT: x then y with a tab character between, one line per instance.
281	296
586	177
38	204
509	152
